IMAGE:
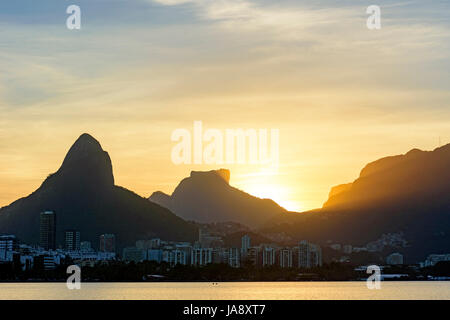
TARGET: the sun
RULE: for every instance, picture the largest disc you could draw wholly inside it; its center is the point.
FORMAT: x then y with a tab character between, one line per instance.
275	192
265	185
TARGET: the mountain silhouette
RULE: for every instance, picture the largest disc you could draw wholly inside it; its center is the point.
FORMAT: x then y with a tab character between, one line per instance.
206	196
404	194
84	197
416	176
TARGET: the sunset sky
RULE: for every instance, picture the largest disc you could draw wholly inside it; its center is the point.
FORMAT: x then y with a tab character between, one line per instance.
341	95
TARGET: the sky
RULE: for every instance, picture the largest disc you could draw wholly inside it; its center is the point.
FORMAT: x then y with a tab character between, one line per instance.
340	95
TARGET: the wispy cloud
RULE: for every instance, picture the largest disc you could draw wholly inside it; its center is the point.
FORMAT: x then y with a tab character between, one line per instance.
245	15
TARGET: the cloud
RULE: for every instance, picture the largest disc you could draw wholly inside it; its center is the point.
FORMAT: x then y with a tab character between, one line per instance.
173	2
327	28
244	15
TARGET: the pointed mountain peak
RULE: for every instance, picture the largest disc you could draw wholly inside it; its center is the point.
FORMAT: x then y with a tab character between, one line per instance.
85	145
87	160
86	142
87	137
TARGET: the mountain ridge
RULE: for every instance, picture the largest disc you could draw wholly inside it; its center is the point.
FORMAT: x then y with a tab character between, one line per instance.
401	176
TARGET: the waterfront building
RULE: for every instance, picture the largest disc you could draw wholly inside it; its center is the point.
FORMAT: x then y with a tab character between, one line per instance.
8	242
72	239
201	256
47	230
232	257
154	255
268	256
245	244
285	258
107	243
309	255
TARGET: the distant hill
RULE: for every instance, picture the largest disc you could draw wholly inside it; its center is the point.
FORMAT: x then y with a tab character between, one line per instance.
207	197
83	194
405	194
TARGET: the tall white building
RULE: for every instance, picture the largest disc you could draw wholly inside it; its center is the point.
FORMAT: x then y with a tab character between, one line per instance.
72	240
180	257
8	242
285	258
303	254
309	255
201	256
232	257
316	255
174	257
268	256
245	244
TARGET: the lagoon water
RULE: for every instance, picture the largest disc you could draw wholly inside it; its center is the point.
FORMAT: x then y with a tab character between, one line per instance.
227	291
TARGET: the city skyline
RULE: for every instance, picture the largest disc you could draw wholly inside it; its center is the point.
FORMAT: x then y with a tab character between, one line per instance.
209	249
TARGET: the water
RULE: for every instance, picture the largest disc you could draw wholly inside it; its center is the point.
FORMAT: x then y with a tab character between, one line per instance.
227	291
